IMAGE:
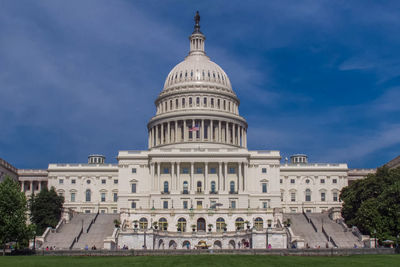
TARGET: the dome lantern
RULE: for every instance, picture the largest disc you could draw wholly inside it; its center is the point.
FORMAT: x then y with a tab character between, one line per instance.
197	38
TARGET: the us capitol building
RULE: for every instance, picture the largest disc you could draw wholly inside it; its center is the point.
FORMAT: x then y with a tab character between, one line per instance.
197	181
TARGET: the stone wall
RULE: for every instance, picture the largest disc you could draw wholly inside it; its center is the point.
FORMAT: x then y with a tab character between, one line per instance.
281	252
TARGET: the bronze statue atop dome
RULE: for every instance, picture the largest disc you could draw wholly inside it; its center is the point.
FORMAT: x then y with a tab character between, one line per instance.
197	23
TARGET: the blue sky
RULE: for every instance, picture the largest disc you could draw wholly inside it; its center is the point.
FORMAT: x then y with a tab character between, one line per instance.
314	77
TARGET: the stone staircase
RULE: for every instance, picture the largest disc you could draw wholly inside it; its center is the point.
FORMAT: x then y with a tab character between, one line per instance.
342	237
63	238
99	230
301	227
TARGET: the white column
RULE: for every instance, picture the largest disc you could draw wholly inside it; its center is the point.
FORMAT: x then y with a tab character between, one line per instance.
31	186
184	131
176	132
245	176
226	186
191	177
173	180
40	185
228	133
219	132
157	141
245	138
211	134
178	170
22	186
194	133
240	178
152	176
168	132
202	130
219	176
162	133
158	176
149	133
206	177
241	136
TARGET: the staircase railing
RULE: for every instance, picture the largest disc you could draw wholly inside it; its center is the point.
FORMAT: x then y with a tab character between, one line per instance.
76	239
313	225
325	233
92	222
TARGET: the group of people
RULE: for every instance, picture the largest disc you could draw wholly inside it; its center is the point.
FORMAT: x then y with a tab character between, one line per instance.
50	248
92	248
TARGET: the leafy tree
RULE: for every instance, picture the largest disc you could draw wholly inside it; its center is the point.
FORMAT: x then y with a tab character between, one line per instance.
46	208
13	209
373	204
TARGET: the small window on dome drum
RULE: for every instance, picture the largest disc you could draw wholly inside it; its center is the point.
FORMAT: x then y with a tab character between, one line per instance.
212	102
176	103
183	102
205	101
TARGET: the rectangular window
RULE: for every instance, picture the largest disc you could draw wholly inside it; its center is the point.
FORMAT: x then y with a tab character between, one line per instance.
322	196
281	181
199	204
133	170
115	197
233	204
265	205
334	181
133	187
103	197
115	181
73	181
322	181
165	205
103	181
213	170
264	187
213	204
166	170
264	170
185	170
293	197
292	181
133	205
61	181
185	205
199	170
72	197
281	196
232	170
115	211
335	197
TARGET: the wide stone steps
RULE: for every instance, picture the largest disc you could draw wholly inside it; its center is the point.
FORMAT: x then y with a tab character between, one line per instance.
102	228
67	232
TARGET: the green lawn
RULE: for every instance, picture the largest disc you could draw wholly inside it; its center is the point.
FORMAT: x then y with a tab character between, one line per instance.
201	260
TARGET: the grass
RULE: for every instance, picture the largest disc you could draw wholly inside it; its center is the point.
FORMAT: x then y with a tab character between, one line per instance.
201	260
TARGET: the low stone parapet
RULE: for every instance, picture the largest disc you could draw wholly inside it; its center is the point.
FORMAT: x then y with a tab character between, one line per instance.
281	252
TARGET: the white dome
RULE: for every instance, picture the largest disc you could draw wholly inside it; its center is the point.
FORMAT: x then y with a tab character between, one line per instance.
197	68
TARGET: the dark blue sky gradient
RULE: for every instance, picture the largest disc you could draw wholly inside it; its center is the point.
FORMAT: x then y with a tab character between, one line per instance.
314	77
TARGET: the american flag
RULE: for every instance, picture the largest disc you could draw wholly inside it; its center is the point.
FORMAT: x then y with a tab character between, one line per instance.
194	128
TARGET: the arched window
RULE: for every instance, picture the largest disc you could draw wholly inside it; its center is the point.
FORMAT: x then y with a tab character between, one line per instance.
190	101
143	223
220	224
197	101
199	186
163	224
176	103
212	102
182	224
88	195
258	223
213	187
205	101
239	224
232	187
185	187
166	187
308	195
183	102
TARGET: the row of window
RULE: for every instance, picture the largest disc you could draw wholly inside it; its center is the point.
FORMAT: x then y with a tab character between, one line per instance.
199	204
322	181
307	196
220	224
88	196
189	102
199	170
73	181
197	76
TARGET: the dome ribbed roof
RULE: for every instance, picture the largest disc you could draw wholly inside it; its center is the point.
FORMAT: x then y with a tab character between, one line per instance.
197	68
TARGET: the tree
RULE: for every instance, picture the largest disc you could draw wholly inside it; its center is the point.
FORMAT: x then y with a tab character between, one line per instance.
46	209
13	209
373	204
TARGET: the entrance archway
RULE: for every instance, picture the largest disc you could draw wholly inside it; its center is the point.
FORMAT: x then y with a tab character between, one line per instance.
201	224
